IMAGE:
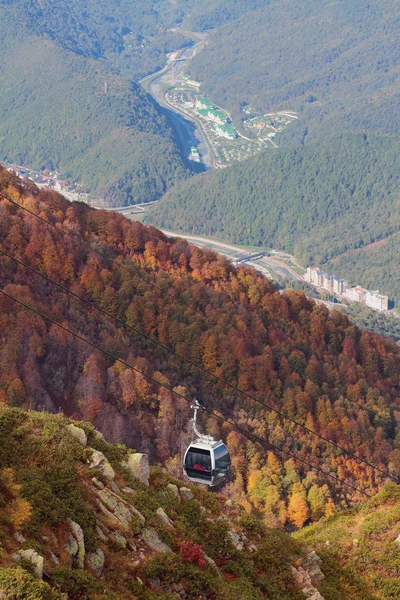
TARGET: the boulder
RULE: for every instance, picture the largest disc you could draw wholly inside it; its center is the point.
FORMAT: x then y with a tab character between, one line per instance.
397	540
312	564
164	518
77	433
186	494
95	561
151	538
171	487
235	539
76	545
138	465
34	558
99	484
100	462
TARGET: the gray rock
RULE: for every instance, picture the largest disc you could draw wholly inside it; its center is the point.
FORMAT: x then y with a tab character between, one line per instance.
229	503
101	534
98	435
235	539
164	518
95	561
171	487
186	494
108	498
34	558
115	508
99	484
77	433
128	490
19	537
397	540
312	564
77	545
114	487
138	465
316	596
55	559
151	538
100	462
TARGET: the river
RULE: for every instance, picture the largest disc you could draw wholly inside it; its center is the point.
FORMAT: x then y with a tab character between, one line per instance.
186	131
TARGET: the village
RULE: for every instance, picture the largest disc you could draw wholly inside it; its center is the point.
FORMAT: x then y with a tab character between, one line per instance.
47	178
225	143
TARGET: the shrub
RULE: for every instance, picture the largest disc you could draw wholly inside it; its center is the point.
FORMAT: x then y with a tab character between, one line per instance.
76	583
18	583
192	553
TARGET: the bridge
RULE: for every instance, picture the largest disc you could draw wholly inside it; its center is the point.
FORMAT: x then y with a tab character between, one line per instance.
247	257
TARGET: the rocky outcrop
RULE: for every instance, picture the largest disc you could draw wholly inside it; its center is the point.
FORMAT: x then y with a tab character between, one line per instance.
151	538
100	462
118	511
32	557
76	545
138	465
307	574
95	561
312	564
77	433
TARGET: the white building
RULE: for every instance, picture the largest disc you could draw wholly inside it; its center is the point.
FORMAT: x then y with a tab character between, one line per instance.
376	300
356	294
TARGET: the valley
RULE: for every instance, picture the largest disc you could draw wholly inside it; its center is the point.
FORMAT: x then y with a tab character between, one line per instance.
205	131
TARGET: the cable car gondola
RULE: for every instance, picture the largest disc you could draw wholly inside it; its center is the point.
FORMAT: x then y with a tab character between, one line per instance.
206	460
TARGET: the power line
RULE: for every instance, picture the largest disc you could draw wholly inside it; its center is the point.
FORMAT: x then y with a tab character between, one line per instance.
200	367
103	255
79	240
171	390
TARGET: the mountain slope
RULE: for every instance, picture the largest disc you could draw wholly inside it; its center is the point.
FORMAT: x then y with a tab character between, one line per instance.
319	201
73	114
98	531
364	540
292	354
98	523
335	62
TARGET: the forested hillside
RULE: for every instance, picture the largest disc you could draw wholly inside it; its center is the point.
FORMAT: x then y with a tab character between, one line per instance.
335	196
335	62
297	358
71	113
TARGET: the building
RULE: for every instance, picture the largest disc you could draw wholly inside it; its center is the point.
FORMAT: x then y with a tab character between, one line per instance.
376	300
331	283
203	103
356	294
217	116
339	286
227	131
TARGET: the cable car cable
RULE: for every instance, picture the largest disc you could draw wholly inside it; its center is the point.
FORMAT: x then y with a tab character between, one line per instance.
148	337
171	390
79	240
103	255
